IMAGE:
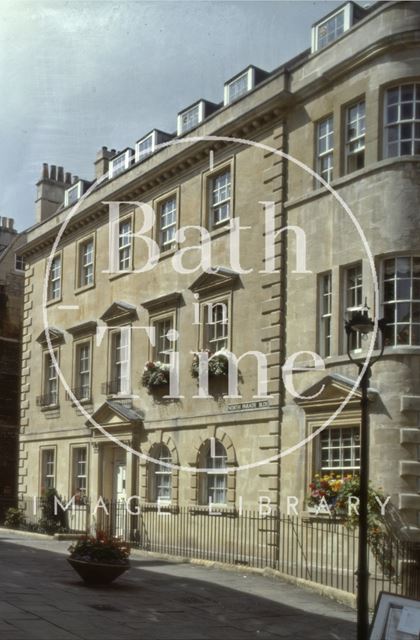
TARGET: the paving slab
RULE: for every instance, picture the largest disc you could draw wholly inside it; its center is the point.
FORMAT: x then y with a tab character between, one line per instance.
42	598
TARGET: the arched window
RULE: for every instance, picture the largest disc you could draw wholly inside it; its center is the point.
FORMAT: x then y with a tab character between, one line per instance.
160	476
214	481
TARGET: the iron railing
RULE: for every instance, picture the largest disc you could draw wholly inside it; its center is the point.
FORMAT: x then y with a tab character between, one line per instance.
115	387
319	550
47	400
80	393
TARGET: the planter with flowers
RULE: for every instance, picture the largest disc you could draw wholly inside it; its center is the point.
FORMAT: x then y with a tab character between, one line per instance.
99	559
218	363
155	375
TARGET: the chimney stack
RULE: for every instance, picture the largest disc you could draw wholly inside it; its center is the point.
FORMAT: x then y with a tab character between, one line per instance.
50	191
102	161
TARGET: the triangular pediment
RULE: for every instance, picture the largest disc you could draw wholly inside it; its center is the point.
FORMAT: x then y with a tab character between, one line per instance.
169	300
56	336
119	312
329	393
83	329
215	278
113	415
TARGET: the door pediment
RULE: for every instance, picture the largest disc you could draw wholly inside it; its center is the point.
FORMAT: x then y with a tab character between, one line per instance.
115	418
329	393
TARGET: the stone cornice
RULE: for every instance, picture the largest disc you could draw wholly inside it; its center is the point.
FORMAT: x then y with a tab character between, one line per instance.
381	165
401	40
173	165
255	112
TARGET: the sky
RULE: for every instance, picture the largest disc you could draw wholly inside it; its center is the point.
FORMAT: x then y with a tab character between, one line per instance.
76	76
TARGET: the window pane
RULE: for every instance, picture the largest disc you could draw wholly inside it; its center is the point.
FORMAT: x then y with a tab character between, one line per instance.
415	335
403	267
403	289
406	111
403	312
403	334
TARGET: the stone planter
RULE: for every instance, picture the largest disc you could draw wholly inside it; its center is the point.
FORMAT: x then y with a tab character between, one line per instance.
98	573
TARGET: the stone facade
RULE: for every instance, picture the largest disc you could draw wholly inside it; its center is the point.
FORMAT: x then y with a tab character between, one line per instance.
274	312
11	302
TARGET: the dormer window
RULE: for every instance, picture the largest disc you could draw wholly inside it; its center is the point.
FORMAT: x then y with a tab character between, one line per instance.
192	116
190	119
145	147
242	83
237	88
73	194
120	163
330	30
148	144
334	25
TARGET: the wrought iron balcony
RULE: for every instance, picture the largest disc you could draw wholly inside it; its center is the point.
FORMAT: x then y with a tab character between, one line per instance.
47	400
82	394
115	387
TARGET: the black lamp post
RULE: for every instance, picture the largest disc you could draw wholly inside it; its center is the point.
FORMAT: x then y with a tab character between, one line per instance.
360	323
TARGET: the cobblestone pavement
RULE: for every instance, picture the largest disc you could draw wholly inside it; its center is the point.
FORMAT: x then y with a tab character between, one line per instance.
41	598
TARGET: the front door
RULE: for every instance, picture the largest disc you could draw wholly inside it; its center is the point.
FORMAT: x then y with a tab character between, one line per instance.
119	496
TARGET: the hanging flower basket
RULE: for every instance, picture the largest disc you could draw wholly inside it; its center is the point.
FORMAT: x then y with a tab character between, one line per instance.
155	374
218	364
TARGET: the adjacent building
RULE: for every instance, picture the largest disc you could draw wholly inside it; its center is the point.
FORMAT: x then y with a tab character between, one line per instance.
347	109
12	268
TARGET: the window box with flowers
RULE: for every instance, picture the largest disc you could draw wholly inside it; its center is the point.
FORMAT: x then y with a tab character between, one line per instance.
218	363
155	374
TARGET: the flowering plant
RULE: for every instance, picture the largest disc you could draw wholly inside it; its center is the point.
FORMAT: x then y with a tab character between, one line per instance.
155	374
329	486
338	492
218	363
100	548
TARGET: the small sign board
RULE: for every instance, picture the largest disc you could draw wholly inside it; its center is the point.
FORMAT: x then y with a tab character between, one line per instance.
246	406
396	618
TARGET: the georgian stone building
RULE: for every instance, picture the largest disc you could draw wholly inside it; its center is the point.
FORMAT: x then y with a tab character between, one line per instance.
349	109
11	304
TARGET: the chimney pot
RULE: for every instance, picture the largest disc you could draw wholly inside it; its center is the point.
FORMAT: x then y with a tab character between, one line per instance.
75	179
53	172
68	178
60	174
11	223
44	174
